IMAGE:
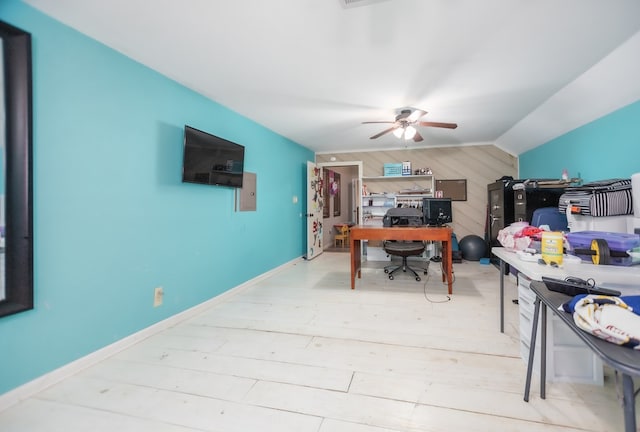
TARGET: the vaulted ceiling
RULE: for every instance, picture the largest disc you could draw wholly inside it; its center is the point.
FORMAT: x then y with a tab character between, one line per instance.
515	73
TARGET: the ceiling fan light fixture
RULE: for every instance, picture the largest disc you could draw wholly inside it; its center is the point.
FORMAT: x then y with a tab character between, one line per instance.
409	132
403	126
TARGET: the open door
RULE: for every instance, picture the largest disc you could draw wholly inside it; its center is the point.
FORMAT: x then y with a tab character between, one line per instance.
315	204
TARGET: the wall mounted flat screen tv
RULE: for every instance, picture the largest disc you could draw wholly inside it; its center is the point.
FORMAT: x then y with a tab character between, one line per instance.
211	160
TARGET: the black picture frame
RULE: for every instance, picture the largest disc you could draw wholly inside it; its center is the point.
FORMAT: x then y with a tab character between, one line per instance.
18	275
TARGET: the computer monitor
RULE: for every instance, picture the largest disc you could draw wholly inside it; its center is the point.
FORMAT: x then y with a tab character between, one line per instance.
437	211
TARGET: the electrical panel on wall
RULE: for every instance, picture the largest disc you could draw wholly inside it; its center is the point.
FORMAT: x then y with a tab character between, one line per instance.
246	195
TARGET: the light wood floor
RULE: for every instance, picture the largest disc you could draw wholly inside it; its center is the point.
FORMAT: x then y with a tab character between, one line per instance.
301	352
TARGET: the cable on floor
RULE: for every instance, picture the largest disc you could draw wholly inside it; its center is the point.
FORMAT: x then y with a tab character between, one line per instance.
424	287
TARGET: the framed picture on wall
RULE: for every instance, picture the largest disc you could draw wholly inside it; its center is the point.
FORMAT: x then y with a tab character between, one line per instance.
455	189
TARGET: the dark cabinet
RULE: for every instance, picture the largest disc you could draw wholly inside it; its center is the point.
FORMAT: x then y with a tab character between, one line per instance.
527	200
500	212
514	201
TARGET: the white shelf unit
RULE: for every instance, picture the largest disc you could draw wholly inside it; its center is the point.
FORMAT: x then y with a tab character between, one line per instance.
374	207
385	192
568	358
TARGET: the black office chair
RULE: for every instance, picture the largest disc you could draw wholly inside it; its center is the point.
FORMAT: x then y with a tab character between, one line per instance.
404	249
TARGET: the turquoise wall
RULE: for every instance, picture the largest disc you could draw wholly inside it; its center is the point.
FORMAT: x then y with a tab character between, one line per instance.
608	147
112	219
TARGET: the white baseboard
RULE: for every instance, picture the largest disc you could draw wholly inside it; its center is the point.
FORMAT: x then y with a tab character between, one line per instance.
30	388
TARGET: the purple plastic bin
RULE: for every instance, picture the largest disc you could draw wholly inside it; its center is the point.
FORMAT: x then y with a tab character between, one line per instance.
620	242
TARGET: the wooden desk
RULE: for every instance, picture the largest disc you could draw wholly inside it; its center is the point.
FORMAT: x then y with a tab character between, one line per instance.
424	233
625	361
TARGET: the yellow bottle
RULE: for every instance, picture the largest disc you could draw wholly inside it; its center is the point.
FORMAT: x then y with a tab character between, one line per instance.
551	248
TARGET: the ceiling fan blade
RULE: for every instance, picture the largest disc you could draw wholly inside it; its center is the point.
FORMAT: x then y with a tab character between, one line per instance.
417	114
392	128
417	137
439	124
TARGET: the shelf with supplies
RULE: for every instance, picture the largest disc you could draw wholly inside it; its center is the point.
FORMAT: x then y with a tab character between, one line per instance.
375	206
398	185
380	193
428	177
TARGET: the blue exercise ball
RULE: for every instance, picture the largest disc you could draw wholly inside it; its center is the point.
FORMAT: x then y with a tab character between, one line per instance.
472	247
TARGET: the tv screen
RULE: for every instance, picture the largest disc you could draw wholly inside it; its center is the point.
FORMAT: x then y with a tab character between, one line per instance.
436	211
211	160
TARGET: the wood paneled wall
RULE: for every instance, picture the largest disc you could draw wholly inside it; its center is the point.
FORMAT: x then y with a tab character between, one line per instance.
480	165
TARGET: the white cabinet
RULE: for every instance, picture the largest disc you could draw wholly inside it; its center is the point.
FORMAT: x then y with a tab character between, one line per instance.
568	358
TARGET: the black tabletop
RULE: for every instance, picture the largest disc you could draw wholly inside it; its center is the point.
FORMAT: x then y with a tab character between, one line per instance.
623	359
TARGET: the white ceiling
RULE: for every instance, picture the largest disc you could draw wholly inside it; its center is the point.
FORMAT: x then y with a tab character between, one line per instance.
512	72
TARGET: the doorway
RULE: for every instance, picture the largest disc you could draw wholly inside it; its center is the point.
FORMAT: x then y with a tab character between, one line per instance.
341	182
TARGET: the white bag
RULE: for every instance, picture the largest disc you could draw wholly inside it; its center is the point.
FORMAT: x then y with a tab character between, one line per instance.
608	318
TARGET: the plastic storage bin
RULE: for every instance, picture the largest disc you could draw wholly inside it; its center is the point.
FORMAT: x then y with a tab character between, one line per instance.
619	242
568	358
578	222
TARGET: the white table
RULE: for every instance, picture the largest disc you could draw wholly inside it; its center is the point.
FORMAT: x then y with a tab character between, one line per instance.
618	277
624	279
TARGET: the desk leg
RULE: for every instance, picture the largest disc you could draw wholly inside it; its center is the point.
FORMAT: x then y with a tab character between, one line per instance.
356	261
501	296
443	251
532	349
447	265
628	403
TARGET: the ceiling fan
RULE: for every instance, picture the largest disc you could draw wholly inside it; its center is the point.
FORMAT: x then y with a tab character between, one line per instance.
403	126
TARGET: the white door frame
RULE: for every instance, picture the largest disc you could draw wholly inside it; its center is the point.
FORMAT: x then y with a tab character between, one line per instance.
358	164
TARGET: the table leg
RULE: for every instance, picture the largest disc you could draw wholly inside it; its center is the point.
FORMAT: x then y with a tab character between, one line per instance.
356	261
628	403
532	349
501	296
543	352
443	258
447	265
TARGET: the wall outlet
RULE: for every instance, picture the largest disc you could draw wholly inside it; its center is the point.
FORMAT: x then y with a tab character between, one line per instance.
158	293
